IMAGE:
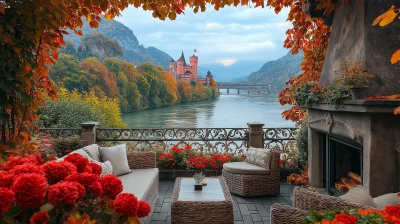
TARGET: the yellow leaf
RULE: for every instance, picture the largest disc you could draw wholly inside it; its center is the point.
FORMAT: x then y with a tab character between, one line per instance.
388	18
397	111
395	57
133	220
107	16
172	15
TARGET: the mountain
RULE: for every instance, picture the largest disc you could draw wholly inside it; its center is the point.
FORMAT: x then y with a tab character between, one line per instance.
277	72
240	79
133	51
240	69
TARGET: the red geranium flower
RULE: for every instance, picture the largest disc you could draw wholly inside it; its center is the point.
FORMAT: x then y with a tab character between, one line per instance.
96	188
112	186
96	168
63	193
30	190
78	160
392	210
39	218
346	219
57	171
6	179
14	161
127	204
144	209
6	198
81	189
88	169
86	179
27	168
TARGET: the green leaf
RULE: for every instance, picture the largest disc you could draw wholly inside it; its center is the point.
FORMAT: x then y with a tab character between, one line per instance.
47	207
104	217
12	212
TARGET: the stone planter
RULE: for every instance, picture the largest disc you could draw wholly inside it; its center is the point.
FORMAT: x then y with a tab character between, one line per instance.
358	92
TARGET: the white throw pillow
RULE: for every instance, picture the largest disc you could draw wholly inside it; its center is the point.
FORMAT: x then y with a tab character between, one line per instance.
93	151
118	158
359	195
387	199
258	156
106	167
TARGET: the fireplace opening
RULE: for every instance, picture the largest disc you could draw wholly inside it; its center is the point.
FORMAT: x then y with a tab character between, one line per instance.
342	164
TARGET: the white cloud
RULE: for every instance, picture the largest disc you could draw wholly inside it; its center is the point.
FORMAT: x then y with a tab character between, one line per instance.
227	61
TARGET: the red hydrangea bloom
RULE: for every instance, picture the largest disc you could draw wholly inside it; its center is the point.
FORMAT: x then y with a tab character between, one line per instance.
6	198
346	219
6	179
96	188
13	161
27	168
30	190
57	171
392	210
96	168
63	193
127	204
112	186
86	179
88	169
39	218
81	189
144	209
78	160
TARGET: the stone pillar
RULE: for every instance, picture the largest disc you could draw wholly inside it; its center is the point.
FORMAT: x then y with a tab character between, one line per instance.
89	132
315	164
256	134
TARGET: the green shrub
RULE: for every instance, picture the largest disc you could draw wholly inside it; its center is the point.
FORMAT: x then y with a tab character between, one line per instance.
302	142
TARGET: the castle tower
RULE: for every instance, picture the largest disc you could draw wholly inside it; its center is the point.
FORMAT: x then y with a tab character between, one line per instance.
172	68
193	63
181	63
209	77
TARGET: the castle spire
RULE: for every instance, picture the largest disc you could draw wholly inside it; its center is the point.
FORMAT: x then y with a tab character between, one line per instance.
182	58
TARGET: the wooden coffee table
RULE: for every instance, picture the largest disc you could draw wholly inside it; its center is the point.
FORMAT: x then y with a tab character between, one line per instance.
213	204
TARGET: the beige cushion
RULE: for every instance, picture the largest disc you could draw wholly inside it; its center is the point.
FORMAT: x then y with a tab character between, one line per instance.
93	151
245	168
359	195
258	156
106	167
139	182
387	199
118	158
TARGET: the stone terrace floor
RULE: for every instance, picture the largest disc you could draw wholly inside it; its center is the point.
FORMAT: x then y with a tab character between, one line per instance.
247	210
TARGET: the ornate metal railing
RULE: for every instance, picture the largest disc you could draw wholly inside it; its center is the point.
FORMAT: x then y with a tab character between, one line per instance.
61	132
231	140
283	139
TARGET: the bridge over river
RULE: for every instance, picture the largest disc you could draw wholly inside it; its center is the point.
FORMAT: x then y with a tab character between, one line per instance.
249	87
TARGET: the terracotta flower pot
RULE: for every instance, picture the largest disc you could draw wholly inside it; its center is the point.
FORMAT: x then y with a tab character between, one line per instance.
358	92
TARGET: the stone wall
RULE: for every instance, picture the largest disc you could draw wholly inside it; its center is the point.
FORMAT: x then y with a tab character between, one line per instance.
354	38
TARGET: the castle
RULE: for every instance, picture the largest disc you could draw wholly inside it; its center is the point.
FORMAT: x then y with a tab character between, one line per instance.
181	71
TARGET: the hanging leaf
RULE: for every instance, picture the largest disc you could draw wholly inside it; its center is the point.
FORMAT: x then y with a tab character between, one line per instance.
395	57
397	111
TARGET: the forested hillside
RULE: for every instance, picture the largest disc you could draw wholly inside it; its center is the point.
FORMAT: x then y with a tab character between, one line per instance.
133	51
277	72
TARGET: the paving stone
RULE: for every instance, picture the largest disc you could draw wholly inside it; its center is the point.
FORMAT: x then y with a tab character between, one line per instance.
251	207
244	210
165	207
154	216
162	216
157	209
167	199
255	217
247	219
159	201
262	210
237	216
238	222
157	222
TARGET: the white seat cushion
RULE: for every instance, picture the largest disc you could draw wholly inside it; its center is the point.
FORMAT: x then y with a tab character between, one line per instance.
245	168
359	195
139	182
387	199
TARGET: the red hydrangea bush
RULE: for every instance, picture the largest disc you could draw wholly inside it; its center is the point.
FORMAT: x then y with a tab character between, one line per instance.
68	191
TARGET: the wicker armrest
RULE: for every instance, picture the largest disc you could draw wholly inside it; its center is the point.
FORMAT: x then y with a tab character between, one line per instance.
141	160
275	166
305	199
285	214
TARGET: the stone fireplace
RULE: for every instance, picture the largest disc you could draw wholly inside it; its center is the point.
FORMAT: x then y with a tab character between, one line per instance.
358	136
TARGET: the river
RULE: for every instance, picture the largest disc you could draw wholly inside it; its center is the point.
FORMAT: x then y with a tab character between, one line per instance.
227	111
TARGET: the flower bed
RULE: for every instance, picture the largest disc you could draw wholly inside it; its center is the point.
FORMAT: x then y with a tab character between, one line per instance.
188	159
389	215
68	191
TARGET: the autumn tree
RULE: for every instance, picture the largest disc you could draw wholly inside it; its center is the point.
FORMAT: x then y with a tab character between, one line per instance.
99	46
106	80
185	91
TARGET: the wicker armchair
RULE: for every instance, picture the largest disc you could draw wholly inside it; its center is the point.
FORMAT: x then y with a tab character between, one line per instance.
255	185
305	200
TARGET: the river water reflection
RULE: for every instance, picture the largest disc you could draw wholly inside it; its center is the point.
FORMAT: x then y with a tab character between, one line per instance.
227	111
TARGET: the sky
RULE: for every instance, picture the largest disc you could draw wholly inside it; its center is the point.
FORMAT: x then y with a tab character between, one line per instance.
226	36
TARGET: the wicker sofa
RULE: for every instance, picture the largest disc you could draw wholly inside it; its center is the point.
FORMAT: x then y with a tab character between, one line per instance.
305	200
250	180
142	181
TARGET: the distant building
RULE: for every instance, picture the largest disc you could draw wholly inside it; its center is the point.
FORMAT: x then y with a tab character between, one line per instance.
182	71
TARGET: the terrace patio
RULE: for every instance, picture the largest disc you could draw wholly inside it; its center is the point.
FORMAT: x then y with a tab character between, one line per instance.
247	210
